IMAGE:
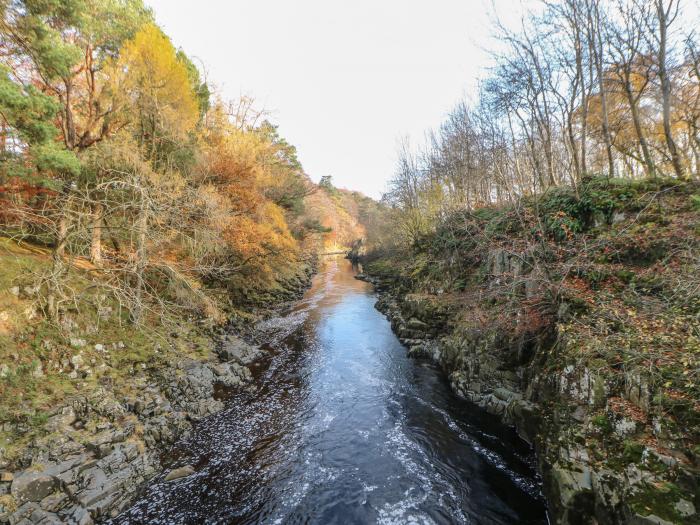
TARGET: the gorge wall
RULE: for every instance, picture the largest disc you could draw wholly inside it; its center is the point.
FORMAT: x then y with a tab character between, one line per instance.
575	318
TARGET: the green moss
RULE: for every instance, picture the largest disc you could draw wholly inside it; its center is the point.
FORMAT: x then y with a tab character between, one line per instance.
626	276
659	501
602	423
632	451
695	202
599	396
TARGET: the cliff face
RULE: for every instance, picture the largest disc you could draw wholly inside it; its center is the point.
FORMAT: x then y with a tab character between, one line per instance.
577	319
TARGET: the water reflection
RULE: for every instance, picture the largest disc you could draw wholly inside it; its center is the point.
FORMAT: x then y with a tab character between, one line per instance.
345	429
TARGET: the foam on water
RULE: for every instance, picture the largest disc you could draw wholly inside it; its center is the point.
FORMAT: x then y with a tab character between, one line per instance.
344	428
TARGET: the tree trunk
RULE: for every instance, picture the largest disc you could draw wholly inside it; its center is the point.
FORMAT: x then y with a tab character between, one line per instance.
57	265
96	239
60	248
666	89
597	47
648	162
141	228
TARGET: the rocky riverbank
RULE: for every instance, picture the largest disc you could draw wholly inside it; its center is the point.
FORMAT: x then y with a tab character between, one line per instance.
578	488
585	351
89	455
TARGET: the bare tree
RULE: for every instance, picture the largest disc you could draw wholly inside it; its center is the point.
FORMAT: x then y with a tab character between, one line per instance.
666	14
595	20
630	63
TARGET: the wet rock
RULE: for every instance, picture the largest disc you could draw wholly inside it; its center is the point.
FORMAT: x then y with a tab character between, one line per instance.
181	472
80	516
33	486
235	349
651	519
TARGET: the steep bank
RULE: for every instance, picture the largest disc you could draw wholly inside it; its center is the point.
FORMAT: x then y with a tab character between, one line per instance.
576	318
88	406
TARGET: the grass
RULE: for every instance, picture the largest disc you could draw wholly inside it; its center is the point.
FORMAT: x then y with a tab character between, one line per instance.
36	353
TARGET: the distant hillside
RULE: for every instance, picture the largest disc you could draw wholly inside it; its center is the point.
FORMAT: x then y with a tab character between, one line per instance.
341	216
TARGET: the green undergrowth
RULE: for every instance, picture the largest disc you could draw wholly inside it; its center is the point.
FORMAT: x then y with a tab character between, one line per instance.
44	363
608	274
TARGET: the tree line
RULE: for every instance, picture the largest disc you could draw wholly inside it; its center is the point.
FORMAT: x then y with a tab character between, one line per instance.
113	148
583	88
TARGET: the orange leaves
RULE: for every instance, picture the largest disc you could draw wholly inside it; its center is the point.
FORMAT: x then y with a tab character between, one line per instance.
252	229
624	408
579	288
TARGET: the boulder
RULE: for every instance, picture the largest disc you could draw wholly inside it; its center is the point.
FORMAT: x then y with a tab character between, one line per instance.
684	507
61	419
33	486
181	472
235	349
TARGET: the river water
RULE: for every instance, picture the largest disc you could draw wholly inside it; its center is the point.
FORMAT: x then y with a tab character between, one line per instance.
344	428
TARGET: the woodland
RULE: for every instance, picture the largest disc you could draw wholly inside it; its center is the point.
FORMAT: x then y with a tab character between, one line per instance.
542	245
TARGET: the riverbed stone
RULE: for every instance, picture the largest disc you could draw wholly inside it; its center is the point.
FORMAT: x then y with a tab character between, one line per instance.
234	348
181	472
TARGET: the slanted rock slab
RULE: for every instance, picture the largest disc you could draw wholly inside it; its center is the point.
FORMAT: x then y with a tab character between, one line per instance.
33	486
181	472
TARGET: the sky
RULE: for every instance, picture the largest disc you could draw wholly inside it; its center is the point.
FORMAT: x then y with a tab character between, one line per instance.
344	80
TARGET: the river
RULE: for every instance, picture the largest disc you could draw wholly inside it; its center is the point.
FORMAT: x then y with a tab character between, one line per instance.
342	427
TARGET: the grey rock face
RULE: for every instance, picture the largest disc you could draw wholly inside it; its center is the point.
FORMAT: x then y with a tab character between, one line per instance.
33	486
84	481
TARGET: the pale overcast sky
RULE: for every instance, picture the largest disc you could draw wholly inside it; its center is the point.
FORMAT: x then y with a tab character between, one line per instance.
343	79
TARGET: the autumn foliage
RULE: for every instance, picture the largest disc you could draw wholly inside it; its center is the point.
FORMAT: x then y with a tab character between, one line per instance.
115	150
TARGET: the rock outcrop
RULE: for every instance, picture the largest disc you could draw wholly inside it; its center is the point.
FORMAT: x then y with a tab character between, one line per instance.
103	447
550	409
